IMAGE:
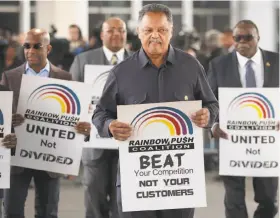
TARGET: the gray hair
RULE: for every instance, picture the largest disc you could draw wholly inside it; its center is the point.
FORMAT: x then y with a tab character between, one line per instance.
156	8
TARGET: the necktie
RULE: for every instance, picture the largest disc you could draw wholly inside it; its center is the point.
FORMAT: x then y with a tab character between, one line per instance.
250	75
114	59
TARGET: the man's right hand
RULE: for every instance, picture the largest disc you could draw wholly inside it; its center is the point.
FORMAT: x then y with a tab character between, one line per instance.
17	120
217	132
120	131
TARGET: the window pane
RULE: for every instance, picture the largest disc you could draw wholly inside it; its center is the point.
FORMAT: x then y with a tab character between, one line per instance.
221	22
10	20
211	4
109	3
200	23
95	21
8	3
32	20
171	4
177	24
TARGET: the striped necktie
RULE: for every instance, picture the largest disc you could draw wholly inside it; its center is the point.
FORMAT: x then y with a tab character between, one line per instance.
250	75
114	59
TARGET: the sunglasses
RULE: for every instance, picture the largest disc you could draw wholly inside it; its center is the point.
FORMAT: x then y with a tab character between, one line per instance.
36	46
246	38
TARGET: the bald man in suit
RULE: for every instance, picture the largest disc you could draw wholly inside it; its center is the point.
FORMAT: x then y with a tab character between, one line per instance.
36	48
100	165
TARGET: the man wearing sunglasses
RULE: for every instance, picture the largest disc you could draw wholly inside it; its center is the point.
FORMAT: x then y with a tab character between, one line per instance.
248	66
36	49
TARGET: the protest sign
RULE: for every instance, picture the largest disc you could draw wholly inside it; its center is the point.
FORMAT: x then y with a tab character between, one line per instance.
5	129
47	140
162	164
250	118
96	75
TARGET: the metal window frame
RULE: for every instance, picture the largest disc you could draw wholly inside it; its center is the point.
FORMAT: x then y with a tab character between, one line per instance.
124	10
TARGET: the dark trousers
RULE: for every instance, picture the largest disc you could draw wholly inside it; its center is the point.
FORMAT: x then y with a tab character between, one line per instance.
265	195
176	213
47	194
100	186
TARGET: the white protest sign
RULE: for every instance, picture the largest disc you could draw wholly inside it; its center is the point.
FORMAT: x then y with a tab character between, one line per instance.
5	129
96	75
162	164
250	117
47	139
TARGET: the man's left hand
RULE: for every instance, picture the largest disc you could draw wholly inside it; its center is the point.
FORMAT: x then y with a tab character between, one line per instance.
201	117
83	128
9	141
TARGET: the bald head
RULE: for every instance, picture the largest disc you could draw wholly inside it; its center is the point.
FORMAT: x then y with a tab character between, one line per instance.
36	48
113	33
111	21
39	34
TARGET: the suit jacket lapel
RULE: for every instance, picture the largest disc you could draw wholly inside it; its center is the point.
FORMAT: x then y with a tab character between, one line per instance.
234	71
21	71
103	58
126	54
52	72
266	67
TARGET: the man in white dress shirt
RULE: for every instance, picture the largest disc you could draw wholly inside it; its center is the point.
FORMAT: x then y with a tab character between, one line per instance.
100	166
248	66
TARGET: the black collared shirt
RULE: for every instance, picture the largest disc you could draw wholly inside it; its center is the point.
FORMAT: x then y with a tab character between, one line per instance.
136	81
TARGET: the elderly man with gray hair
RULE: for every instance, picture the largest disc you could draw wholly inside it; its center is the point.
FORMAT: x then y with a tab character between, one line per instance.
156	73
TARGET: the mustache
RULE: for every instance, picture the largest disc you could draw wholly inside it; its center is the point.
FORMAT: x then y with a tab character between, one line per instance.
155	41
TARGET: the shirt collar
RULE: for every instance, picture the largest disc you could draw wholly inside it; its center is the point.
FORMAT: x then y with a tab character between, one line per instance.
47	67
108	54
144	59
242	61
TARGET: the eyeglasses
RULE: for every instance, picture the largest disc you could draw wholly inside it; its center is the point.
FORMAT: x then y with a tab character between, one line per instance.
36	46
246	38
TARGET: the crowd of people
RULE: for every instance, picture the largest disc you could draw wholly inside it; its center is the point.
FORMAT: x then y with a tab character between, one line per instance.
202	46
38	53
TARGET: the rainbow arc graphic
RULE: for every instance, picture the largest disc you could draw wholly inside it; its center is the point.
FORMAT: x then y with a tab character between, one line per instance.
256	101
177	122
1	118
66	97
101	79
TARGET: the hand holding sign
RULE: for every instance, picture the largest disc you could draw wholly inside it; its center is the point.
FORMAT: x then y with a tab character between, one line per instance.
120	131
10	141
201	117
218	132
17	119
83	128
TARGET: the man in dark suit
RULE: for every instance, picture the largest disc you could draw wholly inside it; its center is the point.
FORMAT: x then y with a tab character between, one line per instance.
36	48
156	73
248	66
100	166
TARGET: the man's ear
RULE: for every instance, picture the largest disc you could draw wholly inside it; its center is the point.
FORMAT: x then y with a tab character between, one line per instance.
49	49
101	35
171	31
